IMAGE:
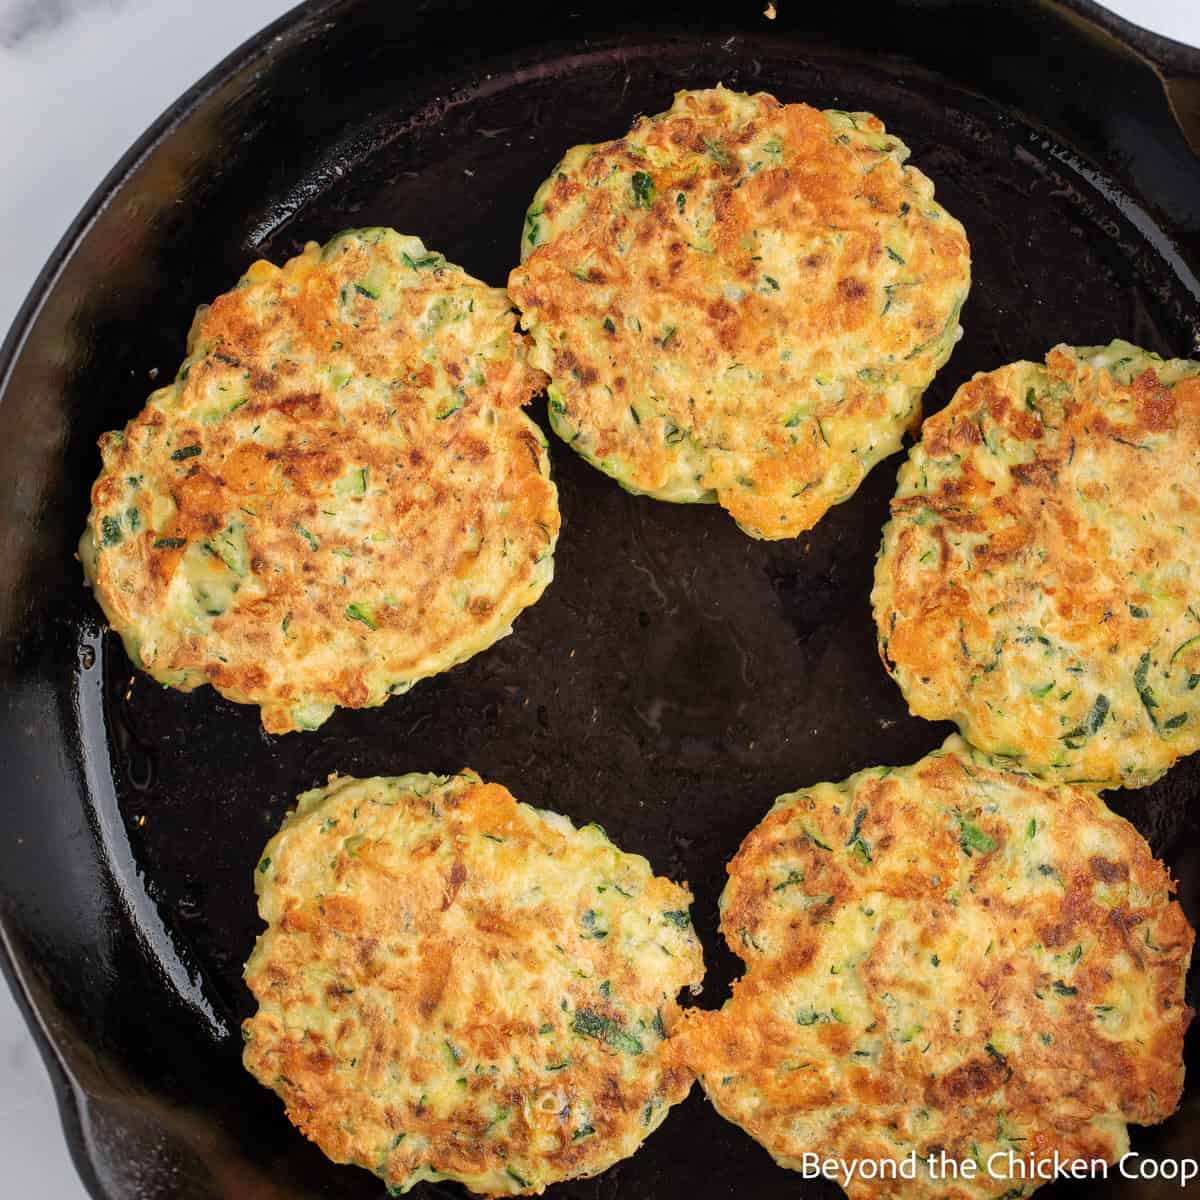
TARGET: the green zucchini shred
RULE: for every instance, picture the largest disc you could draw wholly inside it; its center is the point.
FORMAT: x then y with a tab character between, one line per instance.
589	1023
642	185
971	838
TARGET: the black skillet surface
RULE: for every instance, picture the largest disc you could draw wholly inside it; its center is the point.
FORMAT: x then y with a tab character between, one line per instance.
676	676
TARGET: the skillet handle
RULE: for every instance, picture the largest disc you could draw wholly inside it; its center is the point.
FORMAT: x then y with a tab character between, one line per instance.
1184	95
1176	64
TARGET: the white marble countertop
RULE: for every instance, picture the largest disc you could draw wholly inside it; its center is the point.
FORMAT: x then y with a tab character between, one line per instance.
56	58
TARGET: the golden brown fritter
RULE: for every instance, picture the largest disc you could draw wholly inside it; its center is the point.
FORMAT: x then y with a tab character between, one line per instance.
453	985
741	301
948	956
1039	582
338	496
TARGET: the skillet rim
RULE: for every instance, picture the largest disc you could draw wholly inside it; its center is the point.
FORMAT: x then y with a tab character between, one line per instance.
1168	58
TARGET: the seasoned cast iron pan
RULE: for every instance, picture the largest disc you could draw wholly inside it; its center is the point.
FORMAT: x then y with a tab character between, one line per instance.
676	677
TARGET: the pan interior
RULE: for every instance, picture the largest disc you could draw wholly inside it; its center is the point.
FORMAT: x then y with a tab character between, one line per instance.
676	676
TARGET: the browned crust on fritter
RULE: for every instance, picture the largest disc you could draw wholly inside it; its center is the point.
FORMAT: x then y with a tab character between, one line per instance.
1007	1032
837	199
419	918
1038	537
449	539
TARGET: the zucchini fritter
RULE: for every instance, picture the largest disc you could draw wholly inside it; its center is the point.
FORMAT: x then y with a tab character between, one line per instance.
338	496
1039	582
951	956
453	985
741	301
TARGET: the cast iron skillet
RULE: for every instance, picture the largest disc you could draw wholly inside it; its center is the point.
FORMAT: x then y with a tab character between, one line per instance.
676	677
